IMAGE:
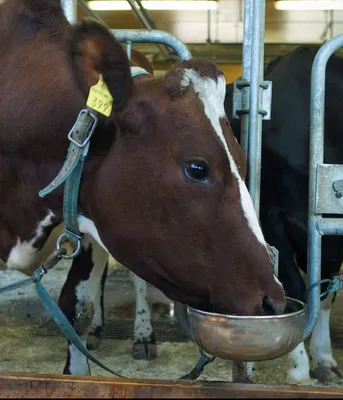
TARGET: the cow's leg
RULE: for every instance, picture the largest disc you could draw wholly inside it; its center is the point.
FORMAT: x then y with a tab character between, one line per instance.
242	372
144	346
78	297
298	366
324	367
94	335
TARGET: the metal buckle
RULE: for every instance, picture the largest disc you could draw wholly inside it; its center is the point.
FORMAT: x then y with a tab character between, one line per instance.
86	141
76	239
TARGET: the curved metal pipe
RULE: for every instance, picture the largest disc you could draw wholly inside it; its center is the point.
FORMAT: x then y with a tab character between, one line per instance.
153	36
317	157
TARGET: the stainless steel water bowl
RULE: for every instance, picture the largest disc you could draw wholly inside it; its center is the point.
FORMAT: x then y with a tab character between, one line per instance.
248	338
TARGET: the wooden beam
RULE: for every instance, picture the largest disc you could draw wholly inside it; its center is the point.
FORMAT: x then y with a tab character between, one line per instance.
24	385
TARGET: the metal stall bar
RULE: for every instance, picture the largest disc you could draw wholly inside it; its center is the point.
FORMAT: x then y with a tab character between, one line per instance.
154	36
322	196
70	10
246	64
255	118
142	16
252	96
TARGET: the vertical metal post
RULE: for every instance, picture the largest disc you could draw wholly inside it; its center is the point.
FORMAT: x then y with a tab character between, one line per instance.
262	29
316	223
331	23
209	26
246	63
255	118
128	49
70	10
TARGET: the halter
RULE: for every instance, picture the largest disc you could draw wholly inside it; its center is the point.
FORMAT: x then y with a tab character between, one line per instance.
79	136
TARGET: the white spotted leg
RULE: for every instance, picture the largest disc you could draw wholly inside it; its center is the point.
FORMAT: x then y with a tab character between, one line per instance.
78	297
298	366
324	366
144	346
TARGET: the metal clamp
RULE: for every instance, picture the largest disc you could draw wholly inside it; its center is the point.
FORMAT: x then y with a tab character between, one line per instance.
90	133
241	99
69	236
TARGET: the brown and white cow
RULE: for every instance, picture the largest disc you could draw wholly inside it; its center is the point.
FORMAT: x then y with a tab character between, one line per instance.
163	186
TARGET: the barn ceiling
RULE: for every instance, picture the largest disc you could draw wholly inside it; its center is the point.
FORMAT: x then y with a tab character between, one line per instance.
218	34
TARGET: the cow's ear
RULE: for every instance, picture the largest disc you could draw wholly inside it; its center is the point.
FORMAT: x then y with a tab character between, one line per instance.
93	51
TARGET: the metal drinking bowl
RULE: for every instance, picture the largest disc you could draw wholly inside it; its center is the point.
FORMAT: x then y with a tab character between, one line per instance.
248	338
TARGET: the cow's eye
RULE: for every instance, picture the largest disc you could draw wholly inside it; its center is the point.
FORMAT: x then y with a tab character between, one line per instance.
197	170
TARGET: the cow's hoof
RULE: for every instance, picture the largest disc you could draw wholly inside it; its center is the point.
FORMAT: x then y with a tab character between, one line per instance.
326	374
93	341
144	351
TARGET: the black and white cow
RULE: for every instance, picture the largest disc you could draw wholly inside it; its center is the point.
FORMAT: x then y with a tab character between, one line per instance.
284	191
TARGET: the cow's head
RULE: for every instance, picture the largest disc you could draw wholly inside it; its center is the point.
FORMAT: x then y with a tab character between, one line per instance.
168	200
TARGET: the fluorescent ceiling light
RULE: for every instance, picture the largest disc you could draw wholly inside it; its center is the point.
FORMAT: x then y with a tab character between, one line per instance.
313	5
117	5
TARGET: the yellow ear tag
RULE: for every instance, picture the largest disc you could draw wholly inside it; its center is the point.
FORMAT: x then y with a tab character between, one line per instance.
99	98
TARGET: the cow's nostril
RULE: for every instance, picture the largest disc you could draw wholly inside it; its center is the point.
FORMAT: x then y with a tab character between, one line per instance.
267	306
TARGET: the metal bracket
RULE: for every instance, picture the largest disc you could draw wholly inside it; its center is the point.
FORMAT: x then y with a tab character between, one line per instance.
329	189
240	104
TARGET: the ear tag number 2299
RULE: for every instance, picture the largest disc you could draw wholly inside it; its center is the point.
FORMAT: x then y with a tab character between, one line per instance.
99	98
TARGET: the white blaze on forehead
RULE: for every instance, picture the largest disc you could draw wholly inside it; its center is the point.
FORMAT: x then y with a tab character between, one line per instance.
212	94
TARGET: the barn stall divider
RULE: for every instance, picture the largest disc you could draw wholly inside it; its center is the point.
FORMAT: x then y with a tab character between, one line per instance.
325	183
252	103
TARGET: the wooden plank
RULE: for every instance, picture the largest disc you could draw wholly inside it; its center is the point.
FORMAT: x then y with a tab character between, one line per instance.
24	385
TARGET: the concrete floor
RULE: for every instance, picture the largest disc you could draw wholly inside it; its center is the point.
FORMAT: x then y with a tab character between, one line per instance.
22	349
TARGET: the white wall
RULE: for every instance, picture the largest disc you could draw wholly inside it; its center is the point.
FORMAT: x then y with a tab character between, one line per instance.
227	25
